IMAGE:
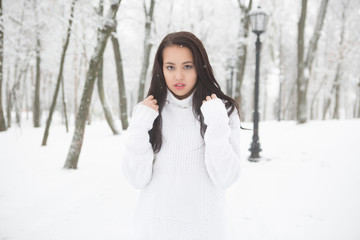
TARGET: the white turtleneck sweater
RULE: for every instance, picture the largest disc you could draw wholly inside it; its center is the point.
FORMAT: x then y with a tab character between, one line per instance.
183	186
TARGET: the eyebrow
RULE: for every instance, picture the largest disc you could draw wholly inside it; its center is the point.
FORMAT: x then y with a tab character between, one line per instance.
182	63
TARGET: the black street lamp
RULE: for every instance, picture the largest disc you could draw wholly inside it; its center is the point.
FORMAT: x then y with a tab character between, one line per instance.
258	20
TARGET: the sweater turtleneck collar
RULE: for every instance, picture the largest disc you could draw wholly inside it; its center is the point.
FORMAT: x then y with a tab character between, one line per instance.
183	103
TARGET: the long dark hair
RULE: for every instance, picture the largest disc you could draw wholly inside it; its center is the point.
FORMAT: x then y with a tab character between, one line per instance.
206	83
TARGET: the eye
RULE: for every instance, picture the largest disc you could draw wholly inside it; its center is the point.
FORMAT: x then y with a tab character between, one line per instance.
170	67
188	67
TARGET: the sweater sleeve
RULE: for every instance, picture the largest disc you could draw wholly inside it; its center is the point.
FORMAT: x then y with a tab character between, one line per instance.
138	154
222	143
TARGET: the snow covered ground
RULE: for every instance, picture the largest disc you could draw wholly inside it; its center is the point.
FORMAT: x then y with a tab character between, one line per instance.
306	187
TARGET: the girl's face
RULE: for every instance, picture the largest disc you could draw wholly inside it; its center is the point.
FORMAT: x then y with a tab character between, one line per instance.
179	70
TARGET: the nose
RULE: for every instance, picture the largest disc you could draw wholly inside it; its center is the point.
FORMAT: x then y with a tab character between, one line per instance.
179	75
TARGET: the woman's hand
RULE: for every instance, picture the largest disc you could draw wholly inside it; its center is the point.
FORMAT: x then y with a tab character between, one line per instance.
151	102
208	98
213	110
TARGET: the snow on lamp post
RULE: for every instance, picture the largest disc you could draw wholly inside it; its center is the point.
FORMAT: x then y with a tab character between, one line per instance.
258	19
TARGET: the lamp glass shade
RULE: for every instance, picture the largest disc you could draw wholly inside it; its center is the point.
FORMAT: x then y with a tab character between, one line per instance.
258	18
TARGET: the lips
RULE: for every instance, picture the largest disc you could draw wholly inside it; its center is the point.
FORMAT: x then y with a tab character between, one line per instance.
179	85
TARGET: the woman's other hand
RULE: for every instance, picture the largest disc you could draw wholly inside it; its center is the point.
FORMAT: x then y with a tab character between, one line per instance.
151	102
208	98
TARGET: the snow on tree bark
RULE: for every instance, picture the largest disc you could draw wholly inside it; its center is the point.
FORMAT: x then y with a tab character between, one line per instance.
77	141
60	76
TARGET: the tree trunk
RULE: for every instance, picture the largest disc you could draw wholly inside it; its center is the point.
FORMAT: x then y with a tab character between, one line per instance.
104	102
2	118
279	118
121	82
64	104
300	81
17	93
304	68
36	108
312	115
290	101
316	35
338	75
242	49
8	103
281	77
147	48
337	97
326	107
230	77
27	107
76	77
60	76
101	91
76	144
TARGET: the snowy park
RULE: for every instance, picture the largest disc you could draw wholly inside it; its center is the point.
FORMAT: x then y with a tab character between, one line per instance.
71	73
307	185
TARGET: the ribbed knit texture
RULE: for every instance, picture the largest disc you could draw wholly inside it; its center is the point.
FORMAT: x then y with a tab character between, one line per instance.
183	186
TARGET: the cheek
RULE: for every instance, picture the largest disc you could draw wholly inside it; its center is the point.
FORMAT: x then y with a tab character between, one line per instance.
167	77
194	77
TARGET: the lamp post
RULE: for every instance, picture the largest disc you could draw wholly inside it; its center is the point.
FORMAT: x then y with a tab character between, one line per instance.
258	20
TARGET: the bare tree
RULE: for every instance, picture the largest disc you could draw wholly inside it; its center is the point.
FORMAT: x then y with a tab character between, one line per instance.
230	65
338	75
11	91
2	118
102	96
336	91
104	101
60	76
337	81
304	68
147	48
82	67
64	104
76	76
36	108
121	81
315	97
16	93
8	102
242	48
108	27
281	77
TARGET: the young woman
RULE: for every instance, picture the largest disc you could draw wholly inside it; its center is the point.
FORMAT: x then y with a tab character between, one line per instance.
183	147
